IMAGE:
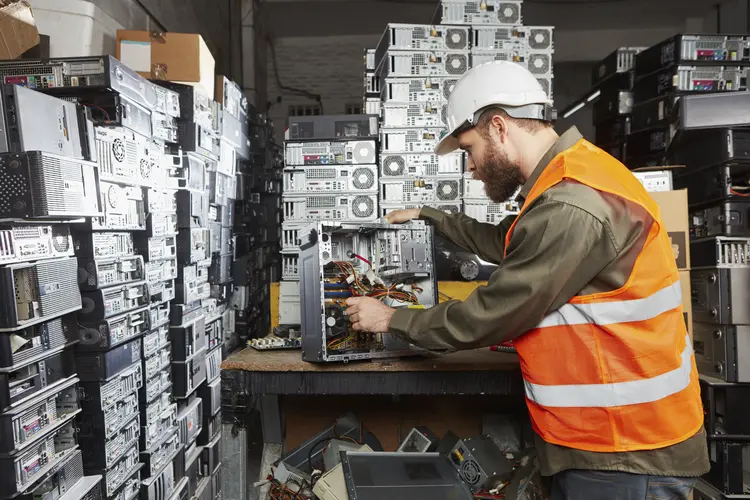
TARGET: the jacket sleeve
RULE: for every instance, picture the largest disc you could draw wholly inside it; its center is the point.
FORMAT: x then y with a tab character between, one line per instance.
487	241
555	251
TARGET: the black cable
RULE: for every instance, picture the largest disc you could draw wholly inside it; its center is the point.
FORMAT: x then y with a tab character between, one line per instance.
309	95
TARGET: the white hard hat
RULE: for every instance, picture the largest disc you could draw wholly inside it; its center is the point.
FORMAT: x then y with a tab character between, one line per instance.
501	84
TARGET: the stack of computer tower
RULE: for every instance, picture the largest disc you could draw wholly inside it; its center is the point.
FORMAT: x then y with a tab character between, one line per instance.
416	69
330	173
49	180
257	231
712	142
613	79
681	65
498	34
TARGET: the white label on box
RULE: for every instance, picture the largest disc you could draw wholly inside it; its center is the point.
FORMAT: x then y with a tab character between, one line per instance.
136	55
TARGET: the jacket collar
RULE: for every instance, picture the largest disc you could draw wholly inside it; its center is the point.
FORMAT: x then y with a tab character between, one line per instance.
565	141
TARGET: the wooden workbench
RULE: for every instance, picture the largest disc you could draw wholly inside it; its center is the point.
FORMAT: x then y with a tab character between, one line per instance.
469	372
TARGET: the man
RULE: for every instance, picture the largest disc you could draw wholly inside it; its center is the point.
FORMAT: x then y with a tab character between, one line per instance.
586	287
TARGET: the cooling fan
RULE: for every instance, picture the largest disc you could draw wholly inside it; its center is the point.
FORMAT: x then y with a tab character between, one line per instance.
509	13
363	207
118	150
363	178
394	166
540	39
448	190
456	64
539	64
337	323
456	39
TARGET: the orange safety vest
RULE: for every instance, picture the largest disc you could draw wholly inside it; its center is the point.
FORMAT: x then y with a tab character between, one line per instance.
613	371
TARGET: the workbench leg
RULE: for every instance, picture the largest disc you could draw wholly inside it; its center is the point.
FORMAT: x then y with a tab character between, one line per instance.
271	420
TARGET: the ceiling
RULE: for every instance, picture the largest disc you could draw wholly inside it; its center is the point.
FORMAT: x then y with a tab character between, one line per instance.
349	17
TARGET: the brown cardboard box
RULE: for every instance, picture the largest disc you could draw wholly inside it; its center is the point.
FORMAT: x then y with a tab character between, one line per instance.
18	32
674	213
176	57
687	301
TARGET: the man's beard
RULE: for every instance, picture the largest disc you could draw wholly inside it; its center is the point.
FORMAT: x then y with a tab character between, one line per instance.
501	177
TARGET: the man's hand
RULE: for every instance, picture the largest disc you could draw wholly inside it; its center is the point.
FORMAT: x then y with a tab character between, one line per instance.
404	215
368	314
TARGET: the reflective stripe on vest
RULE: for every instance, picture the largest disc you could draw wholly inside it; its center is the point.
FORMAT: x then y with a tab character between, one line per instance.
609	313
617	394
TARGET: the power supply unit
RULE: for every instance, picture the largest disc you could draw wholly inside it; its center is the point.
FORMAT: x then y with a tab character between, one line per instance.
33	121
422	37
403	63
419	140
479	12
339	152
416	114
339	207
421	165
331	179
512	38
331	257
481	463
420	190
409	90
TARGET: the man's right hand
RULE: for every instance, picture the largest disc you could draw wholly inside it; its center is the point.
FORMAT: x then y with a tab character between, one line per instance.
403	215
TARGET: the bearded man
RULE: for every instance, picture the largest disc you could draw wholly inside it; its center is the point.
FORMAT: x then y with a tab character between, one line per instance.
586	288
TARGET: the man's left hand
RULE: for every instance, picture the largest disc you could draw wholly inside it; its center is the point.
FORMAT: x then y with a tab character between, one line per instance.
368	314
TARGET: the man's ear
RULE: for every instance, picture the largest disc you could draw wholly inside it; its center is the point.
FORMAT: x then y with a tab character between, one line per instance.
499	127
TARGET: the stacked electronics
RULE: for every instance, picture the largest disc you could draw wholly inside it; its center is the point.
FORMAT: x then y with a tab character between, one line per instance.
330	173
613	79
497	34
681	65
49	180
712	141
417	67
140	165
257	231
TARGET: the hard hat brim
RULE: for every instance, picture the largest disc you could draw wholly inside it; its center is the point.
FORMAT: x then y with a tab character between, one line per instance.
447	144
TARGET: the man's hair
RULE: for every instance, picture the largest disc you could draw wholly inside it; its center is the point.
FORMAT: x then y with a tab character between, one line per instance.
529	125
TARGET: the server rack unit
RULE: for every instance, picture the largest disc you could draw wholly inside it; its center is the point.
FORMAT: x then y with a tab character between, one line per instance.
715	178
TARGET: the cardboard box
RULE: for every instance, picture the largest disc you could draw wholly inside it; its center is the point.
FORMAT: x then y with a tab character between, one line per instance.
674	213
687	301
18	31
176	57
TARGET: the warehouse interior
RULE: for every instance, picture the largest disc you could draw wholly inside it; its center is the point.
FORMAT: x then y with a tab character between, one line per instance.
198	202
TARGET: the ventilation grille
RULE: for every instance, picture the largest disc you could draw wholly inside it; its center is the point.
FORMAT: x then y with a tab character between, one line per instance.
320	173
456	64
509	13
394	166
321	202
363	178
455	39
540	64
540	39
448	190
363	206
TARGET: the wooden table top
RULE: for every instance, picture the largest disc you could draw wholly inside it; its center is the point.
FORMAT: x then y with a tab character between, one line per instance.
251	360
